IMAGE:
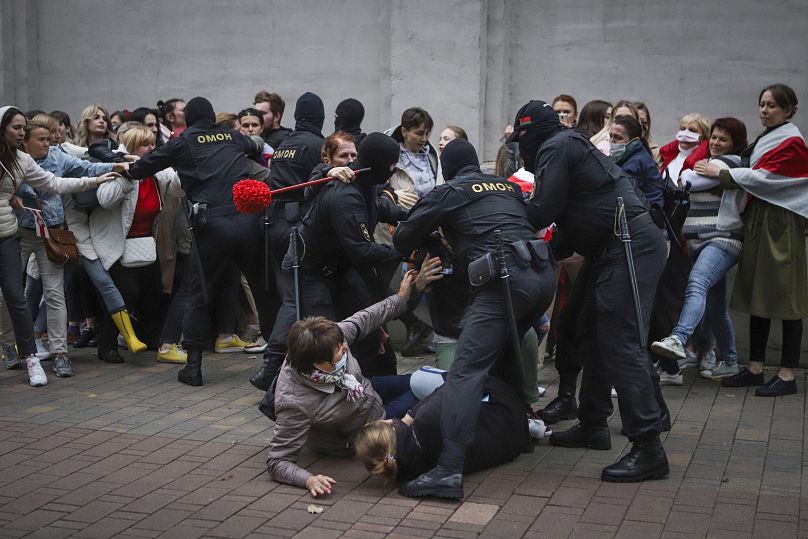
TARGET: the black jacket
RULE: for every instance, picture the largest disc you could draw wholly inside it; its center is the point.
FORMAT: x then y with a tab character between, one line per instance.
274	137
501	434
293	162
577	188
469	208
337	232
208	158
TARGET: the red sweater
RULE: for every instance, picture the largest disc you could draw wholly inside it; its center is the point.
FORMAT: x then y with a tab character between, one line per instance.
146	210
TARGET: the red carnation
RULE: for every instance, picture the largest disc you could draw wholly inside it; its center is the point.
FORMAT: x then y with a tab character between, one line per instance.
251	196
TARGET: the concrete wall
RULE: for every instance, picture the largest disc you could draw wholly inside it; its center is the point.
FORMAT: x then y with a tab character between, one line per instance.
469	62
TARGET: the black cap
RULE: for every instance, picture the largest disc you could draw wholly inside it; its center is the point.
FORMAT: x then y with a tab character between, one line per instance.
535	112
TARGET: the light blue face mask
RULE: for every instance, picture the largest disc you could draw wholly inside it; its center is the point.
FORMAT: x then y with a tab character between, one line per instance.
616	151
341	365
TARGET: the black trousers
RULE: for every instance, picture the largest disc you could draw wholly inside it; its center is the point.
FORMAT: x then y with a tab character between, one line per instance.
608	335
11	285
223	241
336	298
484	335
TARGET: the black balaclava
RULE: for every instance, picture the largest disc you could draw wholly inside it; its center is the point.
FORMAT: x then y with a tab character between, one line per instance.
310	114
199	110
379	152
540	122
458	155
350	114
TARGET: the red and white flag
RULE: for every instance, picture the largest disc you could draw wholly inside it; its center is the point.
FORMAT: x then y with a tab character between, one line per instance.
41	228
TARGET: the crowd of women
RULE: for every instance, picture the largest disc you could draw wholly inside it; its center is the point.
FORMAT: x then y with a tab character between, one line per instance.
725	203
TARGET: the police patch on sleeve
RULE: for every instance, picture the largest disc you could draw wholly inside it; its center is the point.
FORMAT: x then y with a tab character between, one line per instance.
364	229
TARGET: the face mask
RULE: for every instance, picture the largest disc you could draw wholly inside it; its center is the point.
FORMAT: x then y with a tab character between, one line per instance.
687	136
617	151
341	365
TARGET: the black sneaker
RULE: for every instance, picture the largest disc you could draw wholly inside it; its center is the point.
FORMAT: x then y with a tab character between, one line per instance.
744	378
110	356
777	387
83	340
418	337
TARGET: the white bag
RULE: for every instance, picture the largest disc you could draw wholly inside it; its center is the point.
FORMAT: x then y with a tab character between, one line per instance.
139	252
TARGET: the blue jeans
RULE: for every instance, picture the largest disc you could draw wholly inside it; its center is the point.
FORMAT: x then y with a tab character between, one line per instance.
395	393
707	292
113	300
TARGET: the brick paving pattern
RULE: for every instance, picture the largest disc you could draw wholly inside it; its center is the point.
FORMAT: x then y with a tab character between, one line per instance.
126	451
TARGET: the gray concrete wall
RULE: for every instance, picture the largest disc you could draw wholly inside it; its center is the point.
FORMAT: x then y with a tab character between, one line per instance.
469	62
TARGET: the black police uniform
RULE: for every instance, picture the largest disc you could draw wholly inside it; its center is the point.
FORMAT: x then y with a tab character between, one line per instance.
209	160
577	188
469	208
274	137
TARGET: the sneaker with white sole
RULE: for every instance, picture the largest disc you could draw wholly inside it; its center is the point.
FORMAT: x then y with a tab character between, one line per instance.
172	353
62	366
708	361
42	351
670	347
36	374
229	345
541	391
11	359
614	393
722	370
690	361
258	346
667	379
538	429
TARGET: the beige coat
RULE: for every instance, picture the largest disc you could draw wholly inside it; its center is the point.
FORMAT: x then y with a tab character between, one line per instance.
320	416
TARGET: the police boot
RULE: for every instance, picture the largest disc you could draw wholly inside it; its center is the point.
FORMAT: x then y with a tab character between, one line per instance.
191	374
418	334
267	373
580	435
645	460
440	482
560	408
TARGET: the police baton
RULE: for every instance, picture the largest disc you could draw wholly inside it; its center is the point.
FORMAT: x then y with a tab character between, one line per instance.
516	342
293	237
625	237
187	210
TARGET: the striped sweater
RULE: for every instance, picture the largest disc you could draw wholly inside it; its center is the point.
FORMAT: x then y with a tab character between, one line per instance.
700	224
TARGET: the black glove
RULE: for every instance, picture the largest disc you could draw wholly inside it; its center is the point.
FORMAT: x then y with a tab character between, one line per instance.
103	151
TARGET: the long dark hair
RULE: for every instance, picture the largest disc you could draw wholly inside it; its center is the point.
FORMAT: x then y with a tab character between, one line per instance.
592	117
8	153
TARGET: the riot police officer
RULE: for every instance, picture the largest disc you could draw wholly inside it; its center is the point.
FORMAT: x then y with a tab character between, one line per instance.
469	208
209	160
335	242
292	163
577	187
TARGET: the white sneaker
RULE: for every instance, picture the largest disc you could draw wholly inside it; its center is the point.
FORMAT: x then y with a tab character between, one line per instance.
666	379
42	352
258	346
614	393
708	362
36	374
538	429
542	391
691	360
670	347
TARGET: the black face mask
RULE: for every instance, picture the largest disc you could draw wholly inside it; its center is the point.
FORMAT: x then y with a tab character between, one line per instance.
199	110
458	155
349	116
309	114
379	152
530	143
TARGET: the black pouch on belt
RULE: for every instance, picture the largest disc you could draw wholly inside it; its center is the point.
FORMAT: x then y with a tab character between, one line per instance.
200	215
540	253
292	211
482	269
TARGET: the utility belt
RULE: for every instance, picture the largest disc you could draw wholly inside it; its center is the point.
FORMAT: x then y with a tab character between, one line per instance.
635	224
202	211
521	253
291	211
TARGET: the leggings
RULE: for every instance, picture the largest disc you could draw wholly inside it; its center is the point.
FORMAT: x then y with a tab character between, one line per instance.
759	337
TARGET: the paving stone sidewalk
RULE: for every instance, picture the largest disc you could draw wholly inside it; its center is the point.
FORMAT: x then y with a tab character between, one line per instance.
126	451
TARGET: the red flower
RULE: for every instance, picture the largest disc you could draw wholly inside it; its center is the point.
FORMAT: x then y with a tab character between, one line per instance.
251	196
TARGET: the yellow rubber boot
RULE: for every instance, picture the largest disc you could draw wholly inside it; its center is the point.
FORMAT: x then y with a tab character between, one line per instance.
124	324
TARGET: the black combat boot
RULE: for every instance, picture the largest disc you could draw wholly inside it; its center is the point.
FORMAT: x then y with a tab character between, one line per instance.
418	334
580	435
267	373
560	408
191	374
645	460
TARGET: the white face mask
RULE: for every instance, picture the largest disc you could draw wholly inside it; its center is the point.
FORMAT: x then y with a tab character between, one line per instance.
686	135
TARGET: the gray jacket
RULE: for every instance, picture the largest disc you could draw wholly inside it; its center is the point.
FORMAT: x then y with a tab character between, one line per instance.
320	416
